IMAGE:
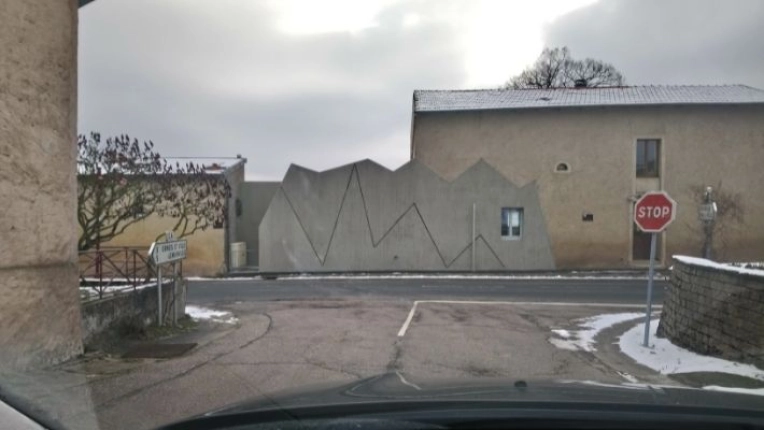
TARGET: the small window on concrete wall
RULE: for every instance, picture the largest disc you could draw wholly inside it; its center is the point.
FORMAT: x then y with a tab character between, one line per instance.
562	167
511	223
648	158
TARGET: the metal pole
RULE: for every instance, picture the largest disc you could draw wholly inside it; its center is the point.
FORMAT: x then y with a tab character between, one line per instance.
707	231
474	207
708	224
174	294
651	272
159	298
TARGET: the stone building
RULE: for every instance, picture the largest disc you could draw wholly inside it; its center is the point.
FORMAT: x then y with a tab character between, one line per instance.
592	151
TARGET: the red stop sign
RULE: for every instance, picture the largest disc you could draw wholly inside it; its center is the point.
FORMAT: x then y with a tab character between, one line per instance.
654	211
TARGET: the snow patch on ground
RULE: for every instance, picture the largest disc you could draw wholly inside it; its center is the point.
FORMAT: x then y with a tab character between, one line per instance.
549	277
756	391
92	291
467	277
200	313
583	339
667	358
564	334
629	377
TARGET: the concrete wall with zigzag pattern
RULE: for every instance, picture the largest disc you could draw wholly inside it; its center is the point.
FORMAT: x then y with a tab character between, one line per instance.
364	217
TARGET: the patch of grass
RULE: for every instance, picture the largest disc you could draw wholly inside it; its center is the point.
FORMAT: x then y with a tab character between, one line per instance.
185	325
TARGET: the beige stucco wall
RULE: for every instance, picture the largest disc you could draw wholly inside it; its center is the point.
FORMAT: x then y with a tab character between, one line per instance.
701	145
39	309
204	248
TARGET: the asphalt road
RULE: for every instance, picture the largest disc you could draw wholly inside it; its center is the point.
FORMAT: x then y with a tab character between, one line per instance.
288	334
622	291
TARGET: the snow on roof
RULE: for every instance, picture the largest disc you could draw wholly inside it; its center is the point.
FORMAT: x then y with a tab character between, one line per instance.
702	262
460	100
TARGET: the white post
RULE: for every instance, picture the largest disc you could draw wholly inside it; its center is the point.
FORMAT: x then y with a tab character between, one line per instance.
159	298
651	272
474	207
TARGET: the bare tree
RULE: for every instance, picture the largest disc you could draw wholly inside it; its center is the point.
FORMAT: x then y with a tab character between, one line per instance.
730	214
556	69
121	182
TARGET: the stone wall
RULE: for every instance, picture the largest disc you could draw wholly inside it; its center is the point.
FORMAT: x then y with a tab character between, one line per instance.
100	318
715	309
364	217
40	305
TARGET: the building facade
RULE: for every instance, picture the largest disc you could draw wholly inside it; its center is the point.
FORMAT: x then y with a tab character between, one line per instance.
363	217
593	151
208	251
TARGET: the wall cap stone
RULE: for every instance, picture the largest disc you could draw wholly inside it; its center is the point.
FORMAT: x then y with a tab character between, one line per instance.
708	264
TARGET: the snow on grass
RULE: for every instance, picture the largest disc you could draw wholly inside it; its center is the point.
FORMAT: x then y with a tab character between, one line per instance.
200	313
667	358
583	339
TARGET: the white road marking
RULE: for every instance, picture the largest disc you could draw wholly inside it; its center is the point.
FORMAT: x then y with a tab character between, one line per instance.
405	382
405	326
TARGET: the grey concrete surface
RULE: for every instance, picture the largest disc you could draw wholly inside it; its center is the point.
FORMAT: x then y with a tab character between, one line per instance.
279	345
363	216
255	198
570	290
39	310
234	174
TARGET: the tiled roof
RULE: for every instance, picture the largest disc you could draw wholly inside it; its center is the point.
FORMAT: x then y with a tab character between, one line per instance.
458	100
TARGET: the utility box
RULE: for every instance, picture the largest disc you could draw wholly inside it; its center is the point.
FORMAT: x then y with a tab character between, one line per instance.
238	255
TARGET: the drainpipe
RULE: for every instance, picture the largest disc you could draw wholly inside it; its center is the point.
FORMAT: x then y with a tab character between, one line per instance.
474	208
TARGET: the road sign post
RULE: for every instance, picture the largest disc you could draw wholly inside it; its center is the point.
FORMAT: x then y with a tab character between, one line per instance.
653	212
169	251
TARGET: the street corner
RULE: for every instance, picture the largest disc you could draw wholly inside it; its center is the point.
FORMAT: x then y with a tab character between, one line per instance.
597	338
616	341
482	339
131	346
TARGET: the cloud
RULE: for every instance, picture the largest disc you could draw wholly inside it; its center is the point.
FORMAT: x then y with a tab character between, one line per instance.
220	78
671	41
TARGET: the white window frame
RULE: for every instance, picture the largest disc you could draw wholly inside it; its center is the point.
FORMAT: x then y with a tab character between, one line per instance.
507	212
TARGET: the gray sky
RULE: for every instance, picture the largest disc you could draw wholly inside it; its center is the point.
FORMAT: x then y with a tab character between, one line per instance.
323	83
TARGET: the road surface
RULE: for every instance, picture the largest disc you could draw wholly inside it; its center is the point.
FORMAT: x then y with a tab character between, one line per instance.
622	291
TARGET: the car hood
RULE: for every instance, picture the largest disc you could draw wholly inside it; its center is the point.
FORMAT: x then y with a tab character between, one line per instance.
397	387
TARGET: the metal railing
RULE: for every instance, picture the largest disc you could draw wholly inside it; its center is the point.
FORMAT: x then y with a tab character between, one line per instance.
108	267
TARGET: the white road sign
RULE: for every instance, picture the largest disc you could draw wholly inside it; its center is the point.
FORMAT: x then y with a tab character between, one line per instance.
707	211
167	252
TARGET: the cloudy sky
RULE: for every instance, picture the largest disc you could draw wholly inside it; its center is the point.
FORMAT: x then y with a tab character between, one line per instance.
323	83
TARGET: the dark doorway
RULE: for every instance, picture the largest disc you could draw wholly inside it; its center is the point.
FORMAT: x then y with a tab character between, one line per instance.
640	245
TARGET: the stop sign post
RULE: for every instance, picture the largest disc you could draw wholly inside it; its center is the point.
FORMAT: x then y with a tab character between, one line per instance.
653	212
